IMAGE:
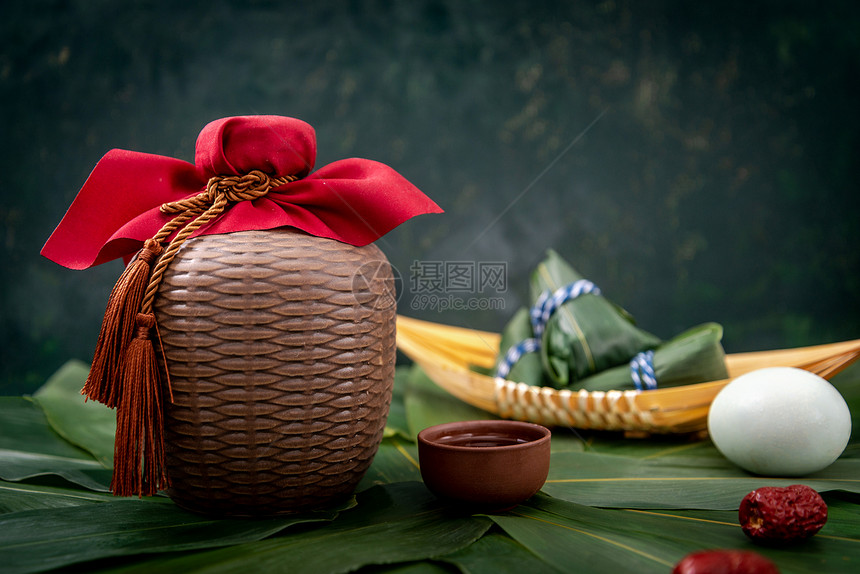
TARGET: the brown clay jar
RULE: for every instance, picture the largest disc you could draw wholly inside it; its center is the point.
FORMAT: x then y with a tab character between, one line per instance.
280	348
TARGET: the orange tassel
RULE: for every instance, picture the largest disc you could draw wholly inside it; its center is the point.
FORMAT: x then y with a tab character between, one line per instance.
118	327
139	466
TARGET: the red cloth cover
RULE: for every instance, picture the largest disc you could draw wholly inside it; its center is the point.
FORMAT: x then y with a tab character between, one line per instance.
353	200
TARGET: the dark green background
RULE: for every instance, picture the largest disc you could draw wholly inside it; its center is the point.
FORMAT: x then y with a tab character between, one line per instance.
720	183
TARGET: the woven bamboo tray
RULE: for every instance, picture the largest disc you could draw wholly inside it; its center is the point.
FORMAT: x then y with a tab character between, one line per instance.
446	353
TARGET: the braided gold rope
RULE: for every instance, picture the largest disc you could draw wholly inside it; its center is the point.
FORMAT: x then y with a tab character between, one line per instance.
221	191
235	188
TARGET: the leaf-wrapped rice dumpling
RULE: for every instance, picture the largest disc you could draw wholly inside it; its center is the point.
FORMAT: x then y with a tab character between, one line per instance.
575	338
694	356
521	365
586	334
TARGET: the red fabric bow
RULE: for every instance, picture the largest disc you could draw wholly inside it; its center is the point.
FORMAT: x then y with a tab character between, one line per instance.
355	201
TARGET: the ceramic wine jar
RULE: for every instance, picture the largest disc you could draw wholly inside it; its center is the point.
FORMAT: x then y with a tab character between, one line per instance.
280	348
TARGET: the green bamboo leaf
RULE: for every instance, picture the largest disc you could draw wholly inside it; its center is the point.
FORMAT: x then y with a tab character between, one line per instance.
17	496
412	568
395	461
397	425
38	540
23	427
391	524
848	384
87	424
29	448
496	553
165	564
674	481
585	539
576	543
656	446
843	517
834	549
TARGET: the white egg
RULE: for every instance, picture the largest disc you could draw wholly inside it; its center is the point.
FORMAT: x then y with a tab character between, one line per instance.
780	421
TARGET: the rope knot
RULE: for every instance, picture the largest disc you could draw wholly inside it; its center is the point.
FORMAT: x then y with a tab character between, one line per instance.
144	321
236	188
151	250
224	189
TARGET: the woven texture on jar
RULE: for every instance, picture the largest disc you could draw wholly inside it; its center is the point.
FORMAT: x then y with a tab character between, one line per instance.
280	348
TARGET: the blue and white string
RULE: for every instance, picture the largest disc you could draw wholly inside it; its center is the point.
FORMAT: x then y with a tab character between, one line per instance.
642	371
641	366
513	355
547	303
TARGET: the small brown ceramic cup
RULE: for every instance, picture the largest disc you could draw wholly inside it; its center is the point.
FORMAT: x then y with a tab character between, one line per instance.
492	465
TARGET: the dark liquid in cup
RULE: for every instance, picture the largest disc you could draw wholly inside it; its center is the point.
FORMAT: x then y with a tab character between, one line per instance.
483	439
